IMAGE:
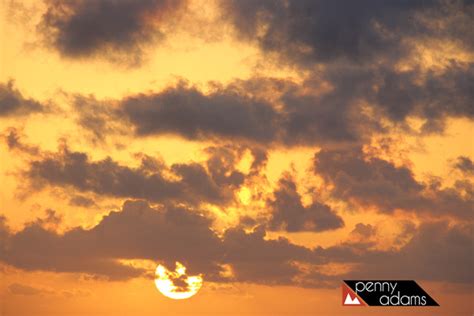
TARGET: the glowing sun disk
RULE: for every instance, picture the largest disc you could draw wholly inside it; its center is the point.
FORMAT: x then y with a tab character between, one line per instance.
164	281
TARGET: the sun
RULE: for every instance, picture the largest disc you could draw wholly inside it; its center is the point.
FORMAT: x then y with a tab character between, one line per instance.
176	284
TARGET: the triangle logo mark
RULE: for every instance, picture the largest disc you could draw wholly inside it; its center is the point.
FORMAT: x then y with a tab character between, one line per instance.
349	298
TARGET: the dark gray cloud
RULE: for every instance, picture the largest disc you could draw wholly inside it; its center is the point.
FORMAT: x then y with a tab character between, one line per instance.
437	251
228	113
288	213
139	231
84	28
136	232
13	103
311	31
193	183
100	119
376	181
449	247
431	96
82	201
334	116
379	183
257	260
465	165
51	219
14	140
189	113
353	109
364	231
222	161
390	94
359	43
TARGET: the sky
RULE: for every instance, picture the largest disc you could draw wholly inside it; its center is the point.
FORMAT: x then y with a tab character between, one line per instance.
272	147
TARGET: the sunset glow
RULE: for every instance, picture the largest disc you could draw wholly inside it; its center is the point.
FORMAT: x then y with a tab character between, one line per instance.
241	157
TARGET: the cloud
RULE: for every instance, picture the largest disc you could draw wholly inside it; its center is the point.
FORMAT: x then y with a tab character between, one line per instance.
439	252
13	139
100	119
389	94
82	28
82	201
137	231
292	118
22	289
339	104
376	182
257	260
288	212
363	231
222	161
436	250
188	112
361	101
360	32
50	220
190	183
13	103
430	96
362	76
465	165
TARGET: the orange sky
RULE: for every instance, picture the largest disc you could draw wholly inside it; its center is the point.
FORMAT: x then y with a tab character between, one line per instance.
346	160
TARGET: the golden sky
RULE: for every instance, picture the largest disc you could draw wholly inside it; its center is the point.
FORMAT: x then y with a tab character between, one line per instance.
275	148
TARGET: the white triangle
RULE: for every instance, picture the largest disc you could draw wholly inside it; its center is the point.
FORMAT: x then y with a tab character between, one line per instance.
350	301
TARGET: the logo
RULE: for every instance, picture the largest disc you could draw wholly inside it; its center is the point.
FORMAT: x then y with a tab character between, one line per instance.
349	298
384	293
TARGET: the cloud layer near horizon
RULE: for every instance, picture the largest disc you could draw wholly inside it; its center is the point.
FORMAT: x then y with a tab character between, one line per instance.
139	231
